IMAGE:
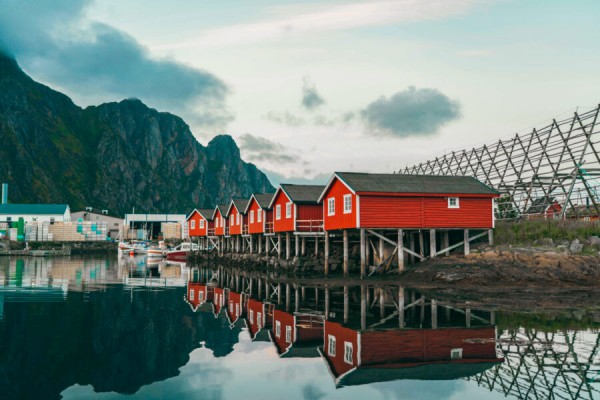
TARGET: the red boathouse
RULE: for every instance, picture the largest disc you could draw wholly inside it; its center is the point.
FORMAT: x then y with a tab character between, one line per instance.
298	334
200	223
258	319
259	215
220	221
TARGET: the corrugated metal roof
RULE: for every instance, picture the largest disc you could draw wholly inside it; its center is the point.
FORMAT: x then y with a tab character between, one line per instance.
401	183
303	193
33	209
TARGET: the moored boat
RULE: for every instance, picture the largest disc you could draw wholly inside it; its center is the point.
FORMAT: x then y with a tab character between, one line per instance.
182	251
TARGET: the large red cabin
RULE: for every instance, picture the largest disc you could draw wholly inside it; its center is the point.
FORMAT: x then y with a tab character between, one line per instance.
235	216
198	294
200	223
220	300
362	200
296	335
220	221
358	357
236	306
296	208
259	214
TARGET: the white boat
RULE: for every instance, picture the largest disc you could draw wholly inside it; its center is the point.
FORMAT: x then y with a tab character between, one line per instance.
182	251
133	247
157	251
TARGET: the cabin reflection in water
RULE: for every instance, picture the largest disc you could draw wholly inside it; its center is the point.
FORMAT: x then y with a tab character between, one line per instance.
364	334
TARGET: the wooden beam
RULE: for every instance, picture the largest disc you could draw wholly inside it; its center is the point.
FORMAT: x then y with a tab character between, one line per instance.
326	266
467	243
400	250
432	244
287	246
345	252
363	253
303	251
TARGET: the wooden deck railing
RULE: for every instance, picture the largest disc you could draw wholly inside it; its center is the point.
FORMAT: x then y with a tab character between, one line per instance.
309	225
210	232
268	227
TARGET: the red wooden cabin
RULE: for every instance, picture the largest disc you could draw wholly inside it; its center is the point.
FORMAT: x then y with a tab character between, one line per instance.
357	357
236	306
362	200
198	294
220	300
235	216
200	223
296	208
296	335
220	222
258	319
544	208
258	214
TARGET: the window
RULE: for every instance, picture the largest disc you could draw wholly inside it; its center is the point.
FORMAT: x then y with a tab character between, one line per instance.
331	206
347	203
237	310
278	211
201	297
251	316
348	352
288	334
331	345
251	216
222	221
217	223
192	295
193	224
232	221
259	215
456	354
259	319
231	308
238	217
201	224
288	210
277	329
453	202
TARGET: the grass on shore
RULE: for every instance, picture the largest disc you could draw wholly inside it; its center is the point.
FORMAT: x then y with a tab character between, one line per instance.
527	232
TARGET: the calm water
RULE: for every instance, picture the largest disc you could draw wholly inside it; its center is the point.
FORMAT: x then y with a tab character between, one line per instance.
107	328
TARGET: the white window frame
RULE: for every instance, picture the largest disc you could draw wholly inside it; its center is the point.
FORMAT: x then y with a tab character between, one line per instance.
456	205
200	297
456	354
251	216
238	218
192	295
331	206
331	345
288	209
201	224
192	224
277	329
278	211
231	308
232	221
348	352
288	334
259	215
237	310
217	223
251	316
347	203
259	319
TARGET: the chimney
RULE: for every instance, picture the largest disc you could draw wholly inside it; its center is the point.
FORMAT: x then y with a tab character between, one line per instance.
5	193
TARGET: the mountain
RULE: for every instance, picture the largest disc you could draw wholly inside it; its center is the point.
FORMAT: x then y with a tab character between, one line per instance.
113	156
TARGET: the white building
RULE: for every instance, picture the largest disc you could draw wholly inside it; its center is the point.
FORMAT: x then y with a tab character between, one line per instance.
35	212
150	225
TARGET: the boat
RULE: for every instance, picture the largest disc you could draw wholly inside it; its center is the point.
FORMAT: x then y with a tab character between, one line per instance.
133	247
157	251
181	252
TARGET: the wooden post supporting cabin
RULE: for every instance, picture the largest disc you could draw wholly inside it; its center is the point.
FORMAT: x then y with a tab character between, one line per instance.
381	248
468	317
303	251
260	240
279	293
493	317
287	297
467	243
446	242
491	236
363	307
363	254
400	251
421	244
381	303
400	307
267	290
296	299
316	246
259	283
434	319
367	250
279	245
326	302
287	245
326	266
251	244
346	304
303	293
345	252
432	243
267	245
297	245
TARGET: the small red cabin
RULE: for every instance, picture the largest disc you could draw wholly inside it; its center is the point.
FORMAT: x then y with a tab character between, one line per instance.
362	200
219	300
258	214
544	208
235	216
258	319
198	294
296	208
297	335
220	221
200	223
357	357
236	306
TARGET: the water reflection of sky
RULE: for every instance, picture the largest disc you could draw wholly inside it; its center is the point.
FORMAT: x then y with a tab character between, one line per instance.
253	371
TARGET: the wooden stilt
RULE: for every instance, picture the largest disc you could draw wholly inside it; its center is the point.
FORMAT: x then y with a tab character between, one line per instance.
346	304
296	299
401	307
297	245
367	250
363	307
363	254
316	246
279	293
467	245
303	252
446	242
434	318
381	248
260	240
421	244
303	293
432	243
251	244
326	266
326	302
345	252
279	245
287	246
400	251
287	297
381	304
491	237
468	317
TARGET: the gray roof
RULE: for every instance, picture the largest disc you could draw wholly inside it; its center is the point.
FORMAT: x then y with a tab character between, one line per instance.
222	208
33	209
264	199
241	204
206	213
303	194
540	205
401	183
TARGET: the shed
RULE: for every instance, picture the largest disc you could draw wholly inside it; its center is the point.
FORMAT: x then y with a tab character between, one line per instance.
200	223
259	213
296	208
298	330
235	216
378	201
220	221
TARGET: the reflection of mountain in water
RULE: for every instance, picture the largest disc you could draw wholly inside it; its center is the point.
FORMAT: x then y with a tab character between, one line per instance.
114	340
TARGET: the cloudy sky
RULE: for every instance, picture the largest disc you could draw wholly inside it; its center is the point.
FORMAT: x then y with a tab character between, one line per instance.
311	87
